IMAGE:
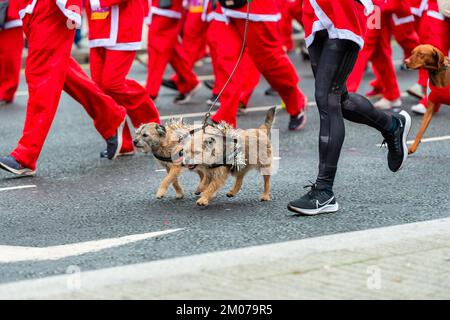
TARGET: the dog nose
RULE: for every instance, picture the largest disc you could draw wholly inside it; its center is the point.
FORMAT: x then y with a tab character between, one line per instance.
407	60
135	142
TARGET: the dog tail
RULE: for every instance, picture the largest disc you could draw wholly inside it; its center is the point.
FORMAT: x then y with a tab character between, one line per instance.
270	118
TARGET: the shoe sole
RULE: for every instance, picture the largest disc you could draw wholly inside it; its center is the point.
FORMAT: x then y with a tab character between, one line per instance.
417	112
405	138
20	173
331	208
119	138
190	95
414	94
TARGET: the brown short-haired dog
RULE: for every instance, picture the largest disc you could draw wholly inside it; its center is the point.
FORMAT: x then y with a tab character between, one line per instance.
438	67
218	151
163	141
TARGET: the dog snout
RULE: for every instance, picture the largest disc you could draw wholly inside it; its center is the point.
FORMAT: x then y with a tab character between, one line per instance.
136	142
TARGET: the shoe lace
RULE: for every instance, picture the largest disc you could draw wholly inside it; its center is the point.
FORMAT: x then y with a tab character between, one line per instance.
392	144
313	189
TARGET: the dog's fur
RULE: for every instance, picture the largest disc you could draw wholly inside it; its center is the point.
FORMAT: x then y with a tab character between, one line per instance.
438	67
164	141
205	149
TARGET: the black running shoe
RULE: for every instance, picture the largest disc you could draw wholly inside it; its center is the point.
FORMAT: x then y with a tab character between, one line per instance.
183	98
298	122
211	100
170	84
271	92
396	142
114	144
316	201
209	84
11	165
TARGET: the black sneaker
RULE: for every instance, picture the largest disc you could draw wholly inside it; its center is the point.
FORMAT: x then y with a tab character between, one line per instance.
211	100
114	144
397	142
209	84
316	201
4	102
183	98
170	84
298	122
271	92
10	164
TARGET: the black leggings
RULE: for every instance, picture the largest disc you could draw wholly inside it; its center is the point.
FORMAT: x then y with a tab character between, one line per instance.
332	61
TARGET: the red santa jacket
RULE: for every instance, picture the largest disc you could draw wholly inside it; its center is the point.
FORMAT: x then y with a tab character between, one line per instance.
343	19
70	8
260	11
12	16
439	95
213	11
153	8
115	24
400	10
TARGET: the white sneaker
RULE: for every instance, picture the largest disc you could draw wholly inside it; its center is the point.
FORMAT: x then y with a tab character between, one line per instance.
419	109
387	104
416	91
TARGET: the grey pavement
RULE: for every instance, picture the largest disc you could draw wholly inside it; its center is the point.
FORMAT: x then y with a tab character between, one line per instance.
80	198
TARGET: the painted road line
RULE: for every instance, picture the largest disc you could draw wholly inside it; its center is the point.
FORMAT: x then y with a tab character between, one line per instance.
105	281
18	187
9	254
160	170
433	139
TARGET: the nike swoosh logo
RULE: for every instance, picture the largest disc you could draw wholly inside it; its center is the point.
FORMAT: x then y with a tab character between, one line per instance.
318	204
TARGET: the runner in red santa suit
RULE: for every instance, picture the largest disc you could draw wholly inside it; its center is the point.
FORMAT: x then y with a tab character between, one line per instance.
164	21
49	26
403	28
266	51
378	50
435	30
11	39
334	33
225	45
115	32
193	45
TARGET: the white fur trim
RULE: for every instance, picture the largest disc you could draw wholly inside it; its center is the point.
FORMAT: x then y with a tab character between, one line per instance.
368	6
161	12
253	16
12	24
399	21
333	32
436	15
95	4
72	15
28	9
130	46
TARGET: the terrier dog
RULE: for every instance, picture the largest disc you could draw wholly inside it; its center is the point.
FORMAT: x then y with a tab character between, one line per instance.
164	143
438	67
218	151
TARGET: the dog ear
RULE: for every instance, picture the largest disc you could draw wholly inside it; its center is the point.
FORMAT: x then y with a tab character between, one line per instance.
161	130
438	59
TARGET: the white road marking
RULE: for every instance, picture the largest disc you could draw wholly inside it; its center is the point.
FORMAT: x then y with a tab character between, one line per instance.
160	170
103	280
9	254
18	187
433	139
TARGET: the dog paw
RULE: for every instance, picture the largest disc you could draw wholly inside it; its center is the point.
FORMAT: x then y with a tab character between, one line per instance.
265	198
179	196
197	193
160	195
411	150
202	202
231	195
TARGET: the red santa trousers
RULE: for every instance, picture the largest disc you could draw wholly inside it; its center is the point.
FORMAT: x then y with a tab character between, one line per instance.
377	48
109	69
162	38
265	50
49	46
10	62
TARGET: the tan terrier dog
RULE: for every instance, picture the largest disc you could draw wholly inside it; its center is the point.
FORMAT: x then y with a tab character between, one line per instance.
218	151
164	143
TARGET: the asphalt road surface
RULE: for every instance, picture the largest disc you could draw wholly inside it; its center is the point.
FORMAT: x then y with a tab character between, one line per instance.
78	198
